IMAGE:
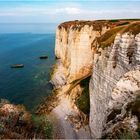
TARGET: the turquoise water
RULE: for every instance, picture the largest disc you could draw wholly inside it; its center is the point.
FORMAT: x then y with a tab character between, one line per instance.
29	85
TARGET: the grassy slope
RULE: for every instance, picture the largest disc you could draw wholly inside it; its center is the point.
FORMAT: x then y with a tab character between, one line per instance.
108	38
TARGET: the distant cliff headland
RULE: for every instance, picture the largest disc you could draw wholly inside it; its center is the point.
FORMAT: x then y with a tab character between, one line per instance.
96	80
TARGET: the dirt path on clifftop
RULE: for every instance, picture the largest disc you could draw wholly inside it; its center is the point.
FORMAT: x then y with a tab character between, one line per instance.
63	129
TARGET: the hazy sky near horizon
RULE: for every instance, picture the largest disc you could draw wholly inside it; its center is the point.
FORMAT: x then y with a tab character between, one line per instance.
55	11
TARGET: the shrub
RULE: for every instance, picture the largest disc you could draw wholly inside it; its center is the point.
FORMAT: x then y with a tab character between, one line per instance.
1	128
83	102
122	132
114	20
3	101
128	135
42	125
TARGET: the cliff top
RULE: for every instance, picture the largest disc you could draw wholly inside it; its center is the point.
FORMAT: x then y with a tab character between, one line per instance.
115	26
97	24
108	37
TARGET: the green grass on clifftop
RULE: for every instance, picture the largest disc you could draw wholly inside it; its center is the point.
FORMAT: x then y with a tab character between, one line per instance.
108	37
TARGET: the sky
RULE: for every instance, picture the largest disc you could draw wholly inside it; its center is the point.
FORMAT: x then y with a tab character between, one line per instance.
56	11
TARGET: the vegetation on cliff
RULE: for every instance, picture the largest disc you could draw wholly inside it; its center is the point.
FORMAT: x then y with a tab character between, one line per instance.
48	104
97	24
42	125
83	102
108	37
115	26
17	123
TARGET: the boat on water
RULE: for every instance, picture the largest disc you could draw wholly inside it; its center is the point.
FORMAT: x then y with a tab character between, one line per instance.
43	57
17	66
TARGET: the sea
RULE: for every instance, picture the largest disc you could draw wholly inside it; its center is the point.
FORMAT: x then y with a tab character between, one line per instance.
23	43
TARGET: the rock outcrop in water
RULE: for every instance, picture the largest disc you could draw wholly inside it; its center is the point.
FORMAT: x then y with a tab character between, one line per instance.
109	52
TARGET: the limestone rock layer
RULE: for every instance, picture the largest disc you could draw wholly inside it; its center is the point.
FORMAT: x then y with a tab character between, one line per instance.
109	51
116	75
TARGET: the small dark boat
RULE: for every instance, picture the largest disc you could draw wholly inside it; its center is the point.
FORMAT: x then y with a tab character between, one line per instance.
43	57
17	66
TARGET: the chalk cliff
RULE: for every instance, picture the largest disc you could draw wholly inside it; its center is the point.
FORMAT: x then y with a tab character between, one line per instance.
74	49
109	52
115	81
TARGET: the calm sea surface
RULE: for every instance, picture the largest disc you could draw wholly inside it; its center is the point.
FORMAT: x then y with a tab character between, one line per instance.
29	85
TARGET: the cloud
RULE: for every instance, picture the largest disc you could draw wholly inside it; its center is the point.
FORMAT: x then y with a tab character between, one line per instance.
7	14
28	11
62	13
68	10
99	12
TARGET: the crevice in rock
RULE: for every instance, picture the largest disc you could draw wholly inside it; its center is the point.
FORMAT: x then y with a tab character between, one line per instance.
113	114
130	54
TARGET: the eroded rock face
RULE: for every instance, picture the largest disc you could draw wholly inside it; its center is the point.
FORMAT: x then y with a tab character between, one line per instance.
74	49
114	81
121	105
106	50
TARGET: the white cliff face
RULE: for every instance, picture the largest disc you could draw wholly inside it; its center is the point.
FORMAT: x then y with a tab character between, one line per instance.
114	68
110	87
75	53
